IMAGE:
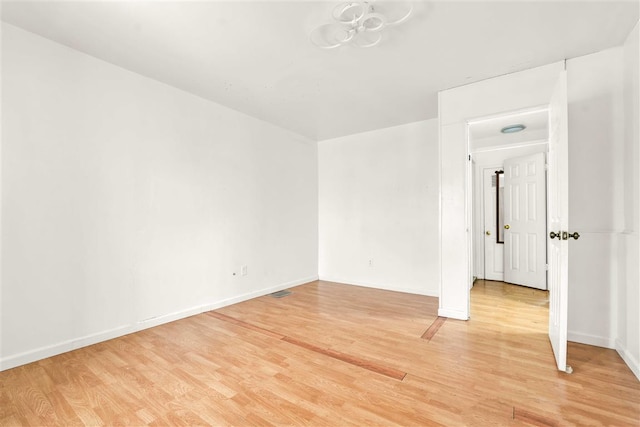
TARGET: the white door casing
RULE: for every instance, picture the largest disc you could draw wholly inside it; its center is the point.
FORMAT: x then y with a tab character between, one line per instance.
558	221
493	251
525	214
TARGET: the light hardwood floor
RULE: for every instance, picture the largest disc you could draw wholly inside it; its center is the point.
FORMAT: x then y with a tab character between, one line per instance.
332	355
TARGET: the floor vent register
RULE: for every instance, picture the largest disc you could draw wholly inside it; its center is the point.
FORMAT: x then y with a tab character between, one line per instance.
280	294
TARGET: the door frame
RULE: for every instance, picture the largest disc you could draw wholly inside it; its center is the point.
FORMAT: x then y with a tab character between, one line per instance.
507	93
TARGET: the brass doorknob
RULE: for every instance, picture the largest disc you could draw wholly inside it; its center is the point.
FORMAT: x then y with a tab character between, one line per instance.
575	235
488	233
506	227
553	235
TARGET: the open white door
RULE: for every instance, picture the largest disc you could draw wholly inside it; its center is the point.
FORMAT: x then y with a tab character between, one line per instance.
525	222
558	221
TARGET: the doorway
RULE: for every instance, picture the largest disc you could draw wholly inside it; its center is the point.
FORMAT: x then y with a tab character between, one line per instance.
514	220
509	186
483	102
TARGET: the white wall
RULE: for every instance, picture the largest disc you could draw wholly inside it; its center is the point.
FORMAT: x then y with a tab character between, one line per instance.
127	203
628	293
594	90
378	202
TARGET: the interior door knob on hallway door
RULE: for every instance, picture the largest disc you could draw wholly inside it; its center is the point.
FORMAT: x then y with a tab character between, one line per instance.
565	235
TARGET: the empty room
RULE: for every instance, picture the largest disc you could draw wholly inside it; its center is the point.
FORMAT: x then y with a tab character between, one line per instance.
322	213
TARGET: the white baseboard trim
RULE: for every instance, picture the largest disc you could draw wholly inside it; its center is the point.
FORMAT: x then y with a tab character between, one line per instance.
256	294
590	339
628	358
63	347
386	287
453	314
87	340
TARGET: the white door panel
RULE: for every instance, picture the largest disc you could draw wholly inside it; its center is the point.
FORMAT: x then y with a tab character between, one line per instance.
558	221
525	218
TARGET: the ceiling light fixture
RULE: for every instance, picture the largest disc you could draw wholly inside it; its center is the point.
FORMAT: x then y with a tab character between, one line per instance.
359	23
513	128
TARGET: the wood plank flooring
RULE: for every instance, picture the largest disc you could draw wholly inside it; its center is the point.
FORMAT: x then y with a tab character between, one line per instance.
318	357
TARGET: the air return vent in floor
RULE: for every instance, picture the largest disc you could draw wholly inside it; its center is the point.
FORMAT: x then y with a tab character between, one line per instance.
280	294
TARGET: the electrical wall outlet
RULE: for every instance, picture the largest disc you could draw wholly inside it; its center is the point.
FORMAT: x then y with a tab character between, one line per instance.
243	270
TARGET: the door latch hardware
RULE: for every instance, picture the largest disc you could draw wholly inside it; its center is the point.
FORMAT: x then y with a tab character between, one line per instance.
575	235
553	235
565	235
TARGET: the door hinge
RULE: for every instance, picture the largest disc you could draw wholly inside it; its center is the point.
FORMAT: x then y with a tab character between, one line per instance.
546	267
546	166
469	157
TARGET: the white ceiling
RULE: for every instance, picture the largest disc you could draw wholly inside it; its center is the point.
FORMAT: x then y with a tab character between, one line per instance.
255	56
487	133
